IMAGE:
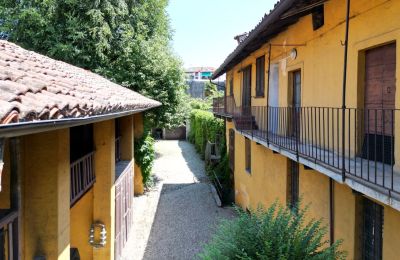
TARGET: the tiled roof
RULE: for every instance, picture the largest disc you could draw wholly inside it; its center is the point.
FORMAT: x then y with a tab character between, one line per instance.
284	13
35	87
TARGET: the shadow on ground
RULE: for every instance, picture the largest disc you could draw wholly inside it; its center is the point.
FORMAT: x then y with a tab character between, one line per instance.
195	166
185	219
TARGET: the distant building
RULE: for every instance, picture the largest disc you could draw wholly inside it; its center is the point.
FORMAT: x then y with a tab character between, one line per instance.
196	78
199	73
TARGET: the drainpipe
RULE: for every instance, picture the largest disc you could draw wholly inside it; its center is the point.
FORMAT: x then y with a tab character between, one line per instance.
269	78
2	145
346	45
331	210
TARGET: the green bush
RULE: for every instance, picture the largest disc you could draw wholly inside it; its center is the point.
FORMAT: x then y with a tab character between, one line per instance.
204	127
277	233
144	156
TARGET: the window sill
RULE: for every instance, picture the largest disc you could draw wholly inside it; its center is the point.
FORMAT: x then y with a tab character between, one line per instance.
259	97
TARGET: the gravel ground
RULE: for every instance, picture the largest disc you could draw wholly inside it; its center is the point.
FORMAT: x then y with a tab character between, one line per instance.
179	214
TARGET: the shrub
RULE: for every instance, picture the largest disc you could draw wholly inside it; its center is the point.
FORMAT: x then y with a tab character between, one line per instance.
144	156
277	233
204	127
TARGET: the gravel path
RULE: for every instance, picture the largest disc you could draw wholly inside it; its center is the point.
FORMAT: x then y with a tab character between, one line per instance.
178	216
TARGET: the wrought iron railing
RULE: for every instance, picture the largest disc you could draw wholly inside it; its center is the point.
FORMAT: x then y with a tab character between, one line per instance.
82	177
361	149
224	106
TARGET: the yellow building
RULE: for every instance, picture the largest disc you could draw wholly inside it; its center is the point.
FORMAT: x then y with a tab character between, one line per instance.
66	159
311	113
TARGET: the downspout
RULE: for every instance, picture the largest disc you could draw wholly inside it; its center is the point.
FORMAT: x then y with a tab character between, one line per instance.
346	45
332	211
2	146
269	79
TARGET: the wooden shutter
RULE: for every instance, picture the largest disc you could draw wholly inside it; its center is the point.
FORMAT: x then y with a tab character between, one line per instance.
260	76
232	149
293	184
248	154
372	230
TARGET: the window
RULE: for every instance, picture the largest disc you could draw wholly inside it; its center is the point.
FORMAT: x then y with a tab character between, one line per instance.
260	76
293	184
372	226
318	17
248	155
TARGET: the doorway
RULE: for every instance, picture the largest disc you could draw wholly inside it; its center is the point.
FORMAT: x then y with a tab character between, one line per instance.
246	90
294	102
273	98
379	103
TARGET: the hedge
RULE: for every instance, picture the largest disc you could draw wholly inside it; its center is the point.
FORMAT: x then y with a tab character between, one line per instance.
205	127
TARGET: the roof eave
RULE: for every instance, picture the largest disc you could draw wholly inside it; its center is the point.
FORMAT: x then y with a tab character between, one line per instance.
26	128
270	18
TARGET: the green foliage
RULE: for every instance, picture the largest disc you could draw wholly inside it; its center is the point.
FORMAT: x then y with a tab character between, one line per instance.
127	41
204	127
275	233
144	156
210	89
202	104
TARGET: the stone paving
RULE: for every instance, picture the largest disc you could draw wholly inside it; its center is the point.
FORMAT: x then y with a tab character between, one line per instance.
179	215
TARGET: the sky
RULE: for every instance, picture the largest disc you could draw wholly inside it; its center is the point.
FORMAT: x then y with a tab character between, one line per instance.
204	30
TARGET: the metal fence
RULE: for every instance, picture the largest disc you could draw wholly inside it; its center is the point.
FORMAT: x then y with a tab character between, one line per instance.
357	143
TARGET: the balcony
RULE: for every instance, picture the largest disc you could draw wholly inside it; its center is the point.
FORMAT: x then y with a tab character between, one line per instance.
353	146
82	177
224	106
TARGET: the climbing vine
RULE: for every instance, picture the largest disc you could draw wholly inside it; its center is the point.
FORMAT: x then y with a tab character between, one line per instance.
144	156
204	127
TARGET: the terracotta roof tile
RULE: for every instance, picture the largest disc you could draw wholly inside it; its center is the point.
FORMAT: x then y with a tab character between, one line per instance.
36	87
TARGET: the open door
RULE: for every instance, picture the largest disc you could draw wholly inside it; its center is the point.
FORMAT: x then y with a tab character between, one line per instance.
294	103
273	98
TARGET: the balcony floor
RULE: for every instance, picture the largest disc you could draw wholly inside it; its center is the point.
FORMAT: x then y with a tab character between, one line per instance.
375	175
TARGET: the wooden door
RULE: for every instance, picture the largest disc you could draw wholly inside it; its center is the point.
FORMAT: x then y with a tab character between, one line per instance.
232	149
246	90
123	208
379	103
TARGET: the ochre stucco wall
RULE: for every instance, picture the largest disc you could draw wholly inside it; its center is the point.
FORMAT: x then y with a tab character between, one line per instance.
314	192
267	181
345	212
138	132
320	59
46	218
81	216
104	189
391	234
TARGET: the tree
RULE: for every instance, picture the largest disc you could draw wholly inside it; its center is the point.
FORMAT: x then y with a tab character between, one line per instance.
275	233
127	41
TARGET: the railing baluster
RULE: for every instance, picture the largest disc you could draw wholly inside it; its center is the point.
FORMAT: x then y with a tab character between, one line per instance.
383	147
321	134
